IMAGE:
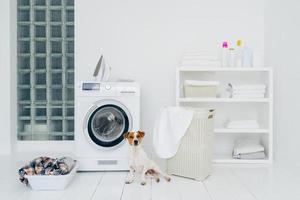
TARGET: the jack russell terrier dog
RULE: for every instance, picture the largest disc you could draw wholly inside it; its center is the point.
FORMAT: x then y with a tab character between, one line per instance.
138	160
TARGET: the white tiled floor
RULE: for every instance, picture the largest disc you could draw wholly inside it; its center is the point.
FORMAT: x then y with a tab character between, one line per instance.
235	182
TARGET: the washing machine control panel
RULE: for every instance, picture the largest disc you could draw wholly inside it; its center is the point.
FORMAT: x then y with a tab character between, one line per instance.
90	86
108	89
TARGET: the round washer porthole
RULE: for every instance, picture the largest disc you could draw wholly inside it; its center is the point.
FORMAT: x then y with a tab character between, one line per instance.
107	124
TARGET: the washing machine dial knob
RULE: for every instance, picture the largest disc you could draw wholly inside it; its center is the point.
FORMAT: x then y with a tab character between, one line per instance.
107	87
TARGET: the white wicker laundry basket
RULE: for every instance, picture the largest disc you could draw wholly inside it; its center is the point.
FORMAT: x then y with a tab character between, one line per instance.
194	156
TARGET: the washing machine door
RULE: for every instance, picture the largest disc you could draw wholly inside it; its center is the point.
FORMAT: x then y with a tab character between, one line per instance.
107	123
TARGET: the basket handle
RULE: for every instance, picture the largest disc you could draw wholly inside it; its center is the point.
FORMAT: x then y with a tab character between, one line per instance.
211	113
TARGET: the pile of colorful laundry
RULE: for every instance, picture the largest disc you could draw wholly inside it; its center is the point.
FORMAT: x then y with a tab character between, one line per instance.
46	166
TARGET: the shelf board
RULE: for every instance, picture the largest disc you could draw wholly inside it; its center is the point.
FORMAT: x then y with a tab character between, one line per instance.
223	69
225	100
229	159
242	161
226	130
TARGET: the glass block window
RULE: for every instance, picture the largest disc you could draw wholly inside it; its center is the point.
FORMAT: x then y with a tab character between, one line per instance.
45	63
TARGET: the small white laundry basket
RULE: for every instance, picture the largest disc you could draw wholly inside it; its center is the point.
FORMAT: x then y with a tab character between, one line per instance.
51	182
193	88
194	156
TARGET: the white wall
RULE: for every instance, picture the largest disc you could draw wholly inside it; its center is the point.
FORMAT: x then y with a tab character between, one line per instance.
144	40
282	25
5	69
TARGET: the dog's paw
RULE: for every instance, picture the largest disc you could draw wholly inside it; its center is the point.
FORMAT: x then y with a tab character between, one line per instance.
168	178
143	183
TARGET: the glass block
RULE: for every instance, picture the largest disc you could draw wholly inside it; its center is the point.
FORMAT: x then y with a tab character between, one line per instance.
40	15
40	47
56	62
56	94
40	78
24	62
40	94
40	136
56	47
70	62
56	125
70	31
70	111
55	2
40	62
24	78
24	110
70	47
23	15
55	31
24	47
70	15
70	78
24	126
23	2
70	125
40	2
56	112
56	79
23	31
55	15
70	94
40	31
41	112
70	2
24	94
40	130
69	137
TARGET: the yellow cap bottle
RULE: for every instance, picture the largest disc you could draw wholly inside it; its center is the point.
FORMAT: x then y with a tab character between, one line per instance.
238	58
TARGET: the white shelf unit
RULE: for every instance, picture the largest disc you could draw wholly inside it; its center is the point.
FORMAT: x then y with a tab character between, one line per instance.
232	108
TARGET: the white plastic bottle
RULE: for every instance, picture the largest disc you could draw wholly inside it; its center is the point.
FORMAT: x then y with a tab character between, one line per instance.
238	52
231	57
224	54
247	57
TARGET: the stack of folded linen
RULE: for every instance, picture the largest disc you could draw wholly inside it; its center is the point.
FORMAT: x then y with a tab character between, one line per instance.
248	149
200	58
243	124
247	91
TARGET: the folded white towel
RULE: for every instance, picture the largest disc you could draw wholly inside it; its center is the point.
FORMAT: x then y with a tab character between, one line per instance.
256	155
170	126
248	91
247	87
246	146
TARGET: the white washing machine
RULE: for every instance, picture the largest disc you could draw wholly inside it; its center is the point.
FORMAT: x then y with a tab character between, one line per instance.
104	111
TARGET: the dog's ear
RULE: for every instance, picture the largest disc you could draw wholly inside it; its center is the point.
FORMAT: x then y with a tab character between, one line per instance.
126	135
142	133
